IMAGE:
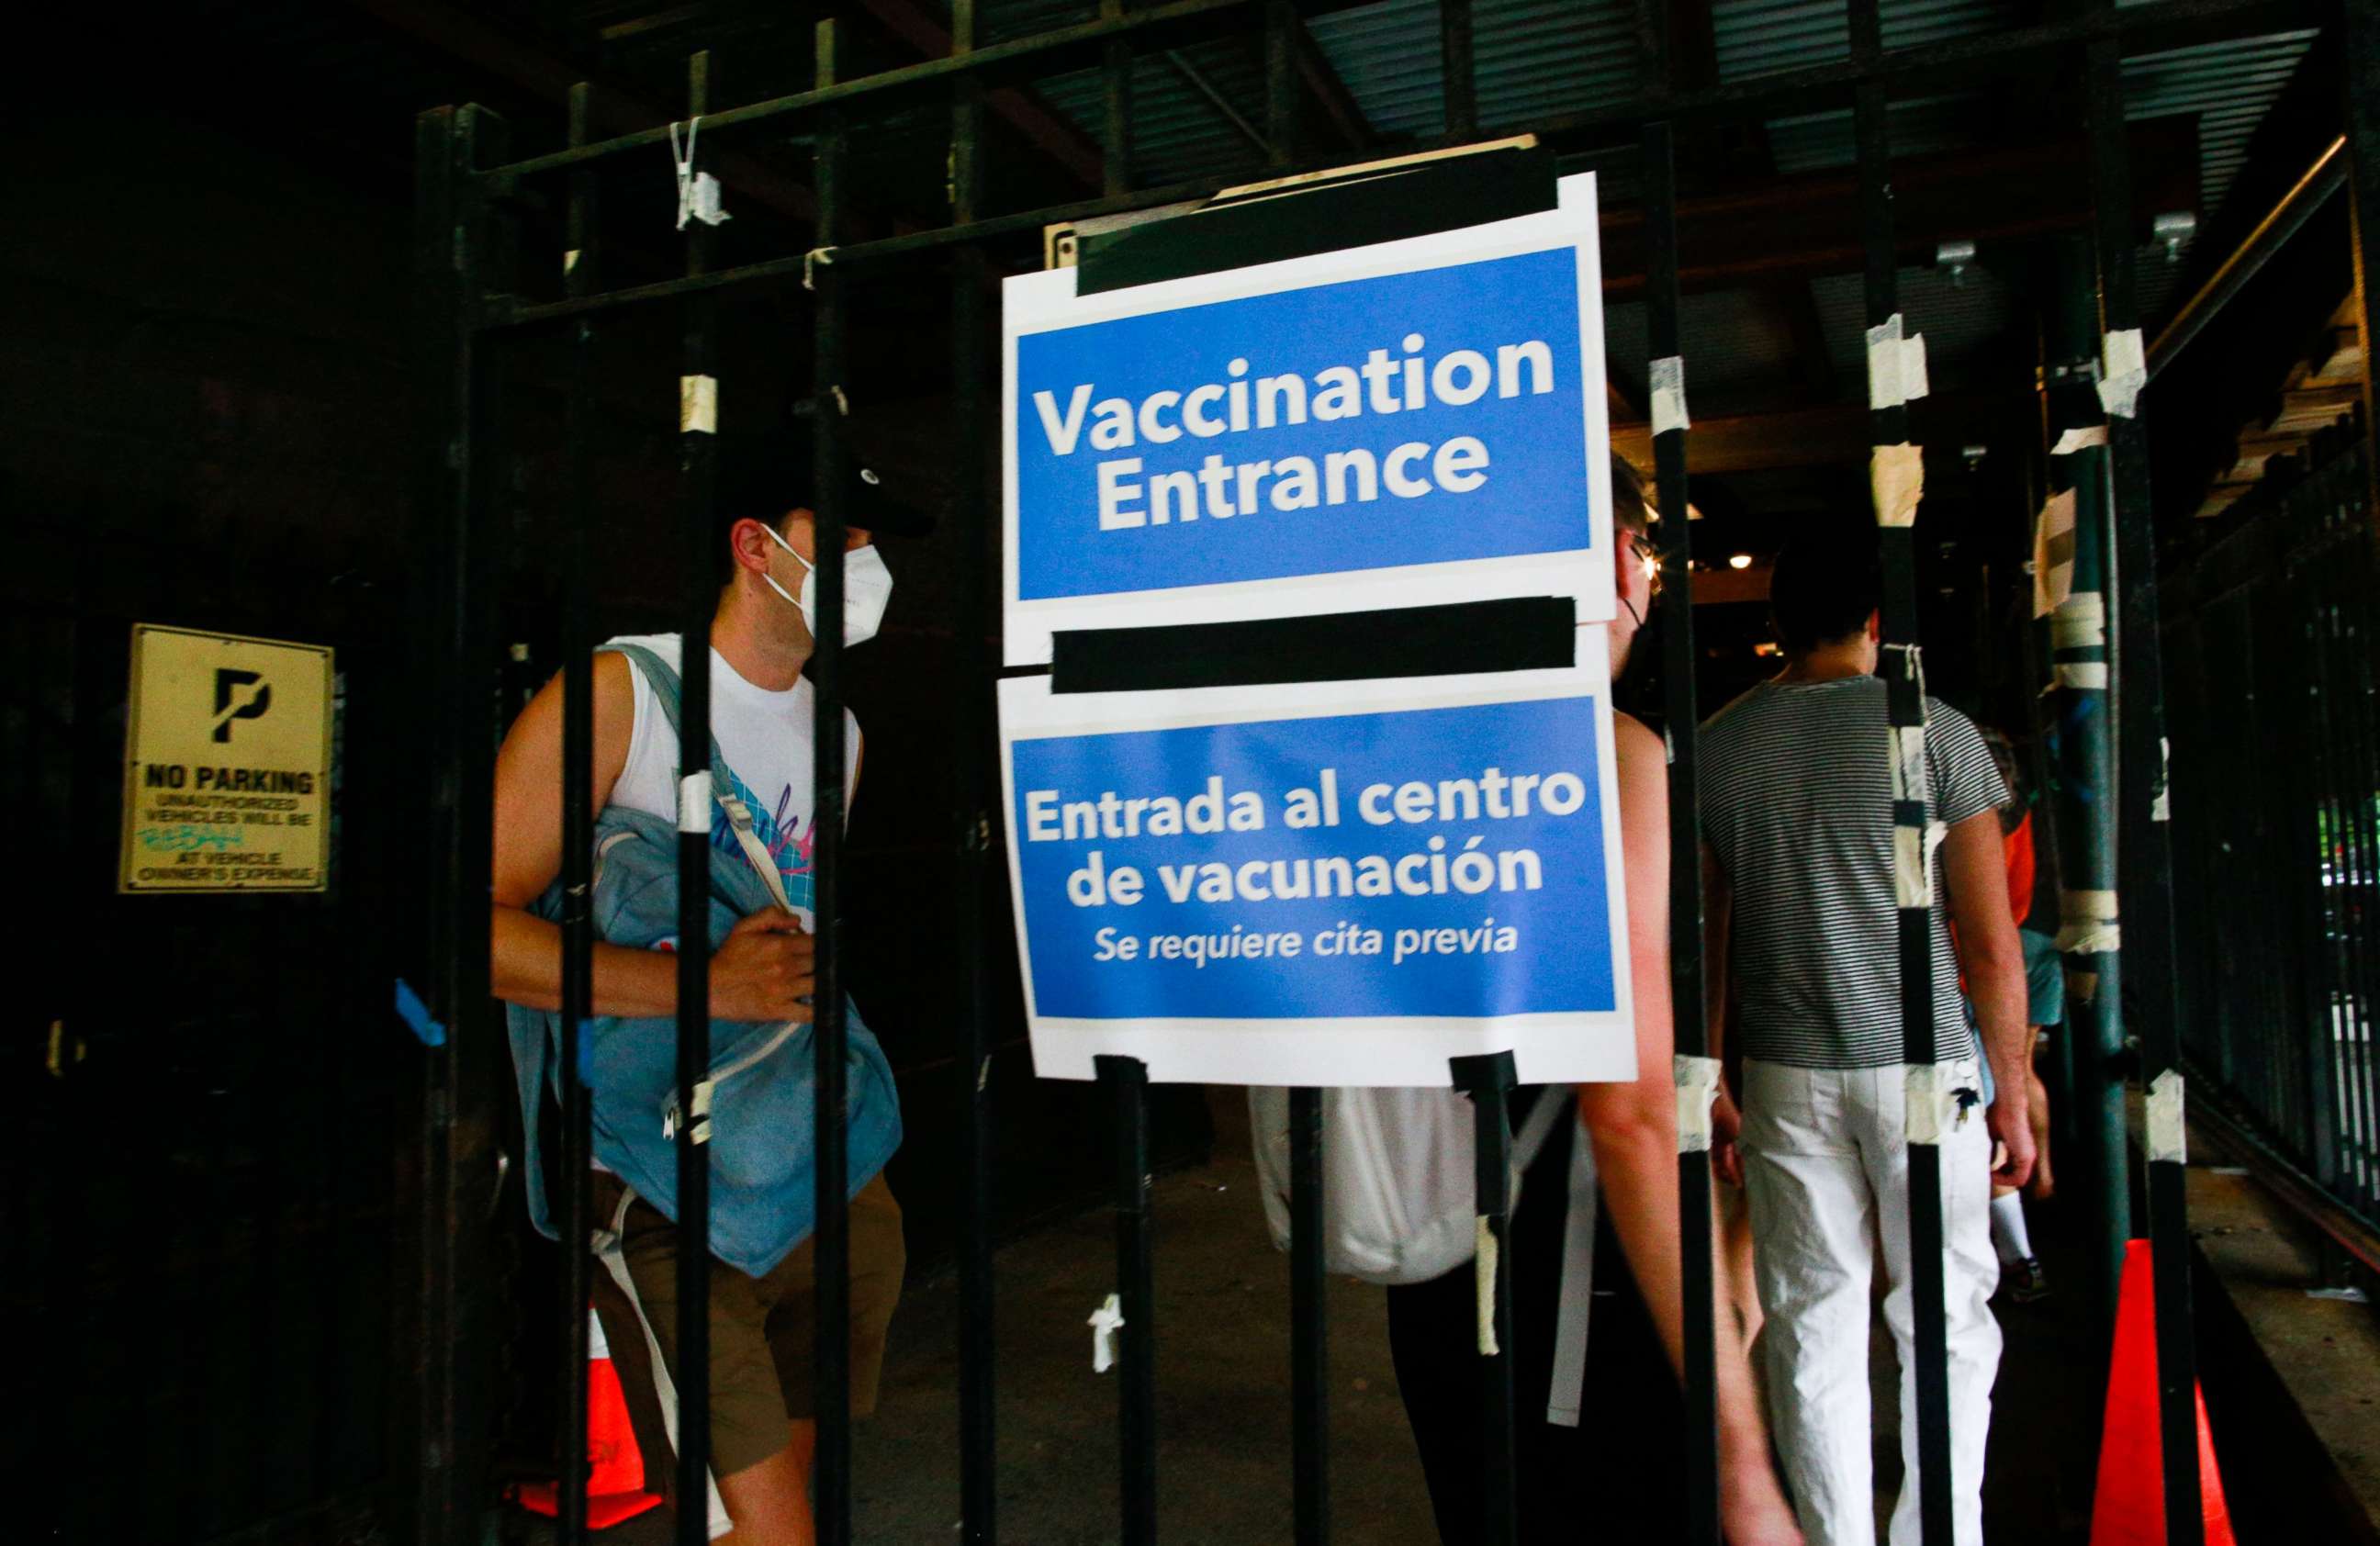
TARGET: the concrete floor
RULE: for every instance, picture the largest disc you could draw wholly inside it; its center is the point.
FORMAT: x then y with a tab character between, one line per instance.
2291	1363
1223	1401
1222	1350
1222	1329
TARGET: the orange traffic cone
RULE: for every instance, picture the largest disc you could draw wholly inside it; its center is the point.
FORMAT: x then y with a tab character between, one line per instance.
615	1485
2129	1508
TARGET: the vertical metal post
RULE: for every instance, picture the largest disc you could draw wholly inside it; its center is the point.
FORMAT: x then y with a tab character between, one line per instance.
442	280
453	255
1310	1330
1904	675
2086	769
697	438
1309	1333
2361	20
1281	82
1462	81
970	282
1115	92
2145	849
578	837
830	1477
1691	1028
1487	1079
1126	1081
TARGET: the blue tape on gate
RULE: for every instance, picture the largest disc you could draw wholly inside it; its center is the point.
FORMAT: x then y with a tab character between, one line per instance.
417	1016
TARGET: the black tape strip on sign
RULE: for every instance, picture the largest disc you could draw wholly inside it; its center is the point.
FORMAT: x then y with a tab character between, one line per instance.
1520	633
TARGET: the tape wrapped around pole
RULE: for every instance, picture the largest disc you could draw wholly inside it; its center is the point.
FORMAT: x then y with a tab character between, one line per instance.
697	404
1697	1081
2169	1140
1668	380
1897	479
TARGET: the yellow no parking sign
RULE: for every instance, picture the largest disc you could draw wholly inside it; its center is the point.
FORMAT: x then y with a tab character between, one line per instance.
227	764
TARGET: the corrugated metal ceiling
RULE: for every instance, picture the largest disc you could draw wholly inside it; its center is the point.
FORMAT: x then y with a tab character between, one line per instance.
1538	57
2228	88
1532	59
1961	318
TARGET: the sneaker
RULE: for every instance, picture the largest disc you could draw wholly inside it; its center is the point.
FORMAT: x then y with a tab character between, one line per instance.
2024	1281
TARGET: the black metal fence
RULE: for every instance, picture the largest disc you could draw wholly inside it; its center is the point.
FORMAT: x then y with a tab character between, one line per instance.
2276	817
476	303
208	1182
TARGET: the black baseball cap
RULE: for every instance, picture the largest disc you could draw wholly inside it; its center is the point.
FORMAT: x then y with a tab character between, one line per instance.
763	475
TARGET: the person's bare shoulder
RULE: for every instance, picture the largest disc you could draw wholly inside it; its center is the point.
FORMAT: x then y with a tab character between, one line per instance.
1635	740
1642	765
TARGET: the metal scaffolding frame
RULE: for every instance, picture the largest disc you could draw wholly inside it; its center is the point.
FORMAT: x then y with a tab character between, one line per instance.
468	308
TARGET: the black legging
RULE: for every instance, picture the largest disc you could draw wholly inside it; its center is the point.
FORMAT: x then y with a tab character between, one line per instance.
1620	1476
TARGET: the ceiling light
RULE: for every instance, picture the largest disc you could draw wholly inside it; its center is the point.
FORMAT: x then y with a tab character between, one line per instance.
1739	561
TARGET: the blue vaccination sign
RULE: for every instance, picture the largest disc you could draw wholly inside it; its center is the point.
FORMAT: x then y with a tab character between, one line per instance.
1419	420
1339	883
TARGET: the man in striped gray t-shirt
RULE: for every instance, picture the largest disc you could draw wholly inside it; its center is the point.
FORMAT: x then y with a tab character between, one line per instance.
1797	818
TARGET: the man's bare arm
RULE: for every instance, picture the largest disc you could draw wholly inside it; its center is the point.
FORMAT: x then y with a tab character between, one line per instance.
761	972
525	964
1974	872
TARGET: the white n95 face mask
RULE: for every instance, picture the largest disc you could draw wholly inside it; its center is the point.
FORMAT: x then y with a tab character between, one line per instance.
867	587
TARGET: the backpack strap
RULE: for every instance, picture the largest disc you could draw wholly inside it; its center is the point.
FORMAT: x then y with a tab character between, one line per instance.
664	684
756	852
1553	1100
1567	1394
1555	1104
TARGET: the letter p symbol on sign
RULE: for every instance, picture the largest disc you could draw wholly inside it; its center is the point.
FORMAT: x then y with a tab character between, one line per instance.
238	696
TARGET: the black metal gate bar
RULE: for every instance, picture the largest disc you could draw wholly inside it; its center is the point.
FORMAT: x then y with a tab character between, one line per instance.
1280	83
1309	1328
1681	719
831	1474
2361	20
577	841
1115	103
2144	842
2144	28
2138	28
697	447
1461	80
1487	1079
453	268
444	283
1904	673
1126	1079
970	280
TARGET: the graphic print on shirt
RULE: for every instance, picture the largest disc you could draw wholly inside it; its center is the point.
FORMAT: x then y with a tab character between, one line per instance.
792	852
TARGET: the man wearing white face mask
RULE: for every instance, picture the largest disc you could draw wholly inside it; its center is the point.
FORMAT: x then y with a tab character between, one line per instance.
763	716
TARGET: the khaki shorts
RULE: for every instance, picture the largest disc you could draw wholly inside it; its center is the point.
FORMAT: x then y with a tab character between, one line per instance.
762	1330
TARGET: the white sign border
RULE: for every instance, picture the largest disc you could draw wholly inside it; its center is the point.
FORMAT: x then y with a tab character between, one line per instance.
1590	1046
1045	302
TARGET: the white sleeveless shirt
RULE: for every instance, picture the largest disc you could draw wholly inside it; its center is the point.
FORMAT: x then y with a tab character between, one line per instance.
766	739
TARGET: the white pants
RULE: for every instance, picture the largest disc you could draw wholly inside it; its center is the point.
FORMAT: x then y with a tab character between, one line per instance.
1827	1167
